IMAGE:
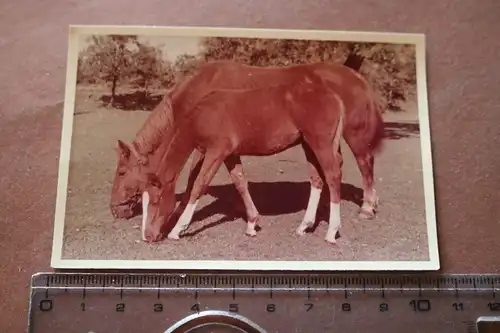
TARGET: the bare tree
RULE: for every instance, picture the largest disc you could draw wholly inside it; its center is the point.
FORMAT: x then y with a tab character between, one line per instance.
109	59
148	66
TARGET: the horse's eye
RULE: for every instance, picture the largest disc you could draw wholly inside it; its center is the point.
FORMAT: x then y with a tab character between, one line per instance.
121	173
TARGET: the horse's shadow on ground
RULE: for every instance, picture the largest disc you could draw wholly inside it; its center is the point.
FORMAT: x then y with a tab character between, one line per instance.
271	199
396	131
138	100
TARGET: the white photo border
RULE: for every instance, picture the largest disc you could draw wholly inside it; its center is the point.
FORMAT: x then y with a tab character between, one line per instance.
418	40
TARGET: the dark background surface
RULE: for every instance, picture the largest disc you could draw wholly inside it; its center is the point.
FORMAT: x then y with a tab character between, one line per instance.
464	103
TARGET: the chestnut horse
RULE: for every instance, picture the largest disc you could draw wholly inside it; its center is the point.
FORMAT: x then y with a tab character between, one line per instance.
226	124
362	115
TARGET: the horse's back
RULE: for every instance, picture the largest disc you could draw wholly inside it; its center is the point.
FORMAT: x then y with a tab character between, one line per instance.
363	122
227	74
296	102
351	87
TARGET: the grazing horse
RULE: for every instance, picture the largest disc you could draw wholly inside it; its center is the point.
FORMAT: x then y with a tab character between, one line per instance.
362	115
226	124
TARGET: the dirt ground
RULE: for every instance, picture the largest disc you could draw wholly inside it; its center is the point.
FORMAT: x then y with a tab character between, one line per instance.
278	184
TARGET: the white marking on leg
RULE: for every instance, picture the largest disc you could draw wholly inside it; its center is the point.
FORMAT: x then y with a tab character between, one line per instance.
252	214
334	222
311	210
369	206
145	204
184	220
252	222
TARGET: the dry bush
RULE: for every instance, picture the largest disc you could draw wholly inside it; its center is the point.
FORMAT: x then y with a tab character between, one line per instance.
391	70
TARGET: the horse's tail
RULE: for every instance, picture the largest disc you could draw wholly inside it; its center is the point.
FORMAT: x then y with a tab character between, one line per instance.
365	130
340	126
363	123
375	123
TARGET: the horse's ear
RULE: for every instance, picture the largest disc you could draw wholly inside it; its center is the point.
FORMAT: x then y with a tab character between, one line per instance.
135	151
122	149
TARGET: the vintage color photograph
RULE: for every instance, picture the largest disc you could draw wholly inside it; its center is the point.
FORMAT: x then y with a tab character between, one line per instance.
245	149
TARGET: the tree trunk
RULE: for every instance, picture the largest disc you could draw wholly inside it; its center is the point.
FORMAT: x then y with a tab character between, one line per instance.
113	90
146	92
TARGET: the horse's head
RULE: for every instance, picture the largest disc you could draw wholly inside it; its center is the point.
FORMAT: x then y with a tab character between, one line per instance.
129	174
158	204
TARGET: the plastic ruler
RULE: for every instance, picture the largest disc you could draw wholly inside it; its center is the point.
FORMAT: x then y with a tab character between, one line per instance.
224	303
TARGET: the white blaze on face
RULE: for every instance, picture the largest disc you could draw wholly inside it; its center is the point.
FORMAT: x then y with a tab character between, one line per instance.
145	204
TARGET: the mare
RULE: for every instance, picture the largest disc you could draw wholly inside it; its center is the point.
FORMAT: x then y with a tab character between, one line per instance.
228	123
363	129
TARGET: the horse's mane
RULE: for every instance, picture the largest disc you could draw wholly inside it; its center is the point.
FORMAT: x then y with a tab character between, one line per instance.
159	125
158	122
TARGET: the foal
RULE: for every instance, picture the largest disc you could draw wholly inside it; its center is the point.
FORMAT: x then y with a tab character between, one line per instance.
363	129
226	124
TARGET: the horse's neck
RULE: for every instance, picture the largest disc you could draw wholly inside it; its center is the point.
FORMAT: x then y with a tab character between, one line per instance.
155	155
175	157
193	88
156	130
155	135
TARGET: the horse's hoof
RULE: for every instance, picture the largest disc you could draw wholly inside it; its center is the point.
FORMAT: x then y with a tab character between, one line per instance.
151	240
330	236
173	236
331	241
366	214
300	232
301	229
250	232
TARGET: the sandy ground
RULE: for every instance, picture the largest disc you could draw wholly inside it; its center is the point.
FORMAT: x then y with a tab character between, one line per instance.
279	186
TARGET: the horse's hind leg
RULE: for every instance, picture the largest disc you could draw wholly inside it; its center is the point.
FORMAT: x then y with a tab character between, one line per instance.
235	168
366	165
315	191
330	162
211	163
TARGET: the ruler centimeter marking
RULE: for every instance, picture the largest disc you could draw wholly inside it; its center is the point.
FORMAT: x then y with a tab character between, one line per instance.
177	281
458	300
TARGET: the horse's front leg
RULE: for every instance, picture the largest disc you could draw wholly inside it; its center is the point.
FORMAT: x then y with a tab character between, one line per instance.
193	173
235	168
211	163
